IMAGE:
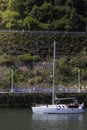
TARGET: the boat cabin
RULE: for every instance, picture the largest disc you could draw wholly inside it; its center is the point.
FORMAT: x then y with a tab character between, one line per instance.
69	102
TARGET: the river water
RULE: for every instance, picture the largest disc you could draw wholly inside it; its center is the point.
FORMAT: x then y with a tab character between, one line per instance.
23	119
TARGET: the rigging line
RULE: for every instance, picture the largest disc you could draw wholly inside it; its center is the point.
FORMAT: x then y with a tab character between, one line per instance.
45	98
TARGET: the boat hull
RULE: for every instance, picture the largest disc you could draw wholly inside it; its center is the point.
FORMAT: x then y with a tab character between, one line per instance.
54	109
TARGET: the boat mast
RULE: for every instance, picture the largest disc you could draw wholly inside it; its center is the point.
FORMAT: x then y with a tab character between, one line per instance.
53	94
11	81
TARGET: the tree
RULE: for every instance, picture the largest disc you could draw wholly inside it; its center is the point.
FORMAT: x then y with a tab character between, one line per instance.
30	23
79	6
77	21
3	5
43	13
10	19
59	2
17	6
48	14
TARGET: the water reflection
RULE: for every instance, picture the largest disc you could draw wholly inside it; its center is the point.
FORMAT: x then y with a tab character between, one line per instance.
23	119
58	122
15	119
58	117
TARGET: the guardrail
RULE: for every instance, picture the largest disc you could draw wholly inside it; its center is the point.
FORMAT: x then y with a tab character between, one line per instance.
33	90
51	32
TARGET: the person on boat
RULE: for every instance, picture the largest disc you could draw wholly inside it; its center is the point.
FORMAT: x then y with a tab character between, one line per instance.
74	105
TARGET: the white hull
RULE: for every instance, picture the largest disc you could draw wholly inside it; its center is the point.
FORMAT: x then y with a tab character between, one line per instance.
56	109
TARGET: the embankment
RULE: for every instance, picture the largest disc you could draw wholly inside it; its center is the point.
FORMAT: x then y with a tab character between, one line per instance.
27	99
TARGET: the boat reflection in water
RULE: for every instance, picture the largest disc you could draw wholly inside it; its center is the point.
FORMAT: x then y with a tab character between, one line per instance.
58	121
58	117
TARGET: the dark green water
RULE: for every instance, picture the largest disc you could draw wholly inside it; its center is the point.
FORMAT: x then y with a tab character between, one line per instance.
23	119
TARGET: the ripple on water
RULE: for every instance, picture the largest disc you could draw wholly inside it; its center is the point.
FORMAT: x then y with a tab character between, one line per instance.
58	122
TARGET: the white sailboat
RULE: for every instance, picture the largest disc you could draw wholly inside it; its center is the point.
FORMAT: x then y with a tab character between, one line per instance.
56	108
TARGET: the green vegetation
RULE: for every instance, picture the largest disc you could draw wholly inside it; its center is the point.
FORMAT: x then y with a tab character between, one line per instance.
69	15
30	55
68	69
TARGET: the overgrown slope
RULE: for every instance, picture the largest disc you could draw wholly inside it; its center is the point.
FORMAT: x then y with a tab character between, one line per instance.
30	55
